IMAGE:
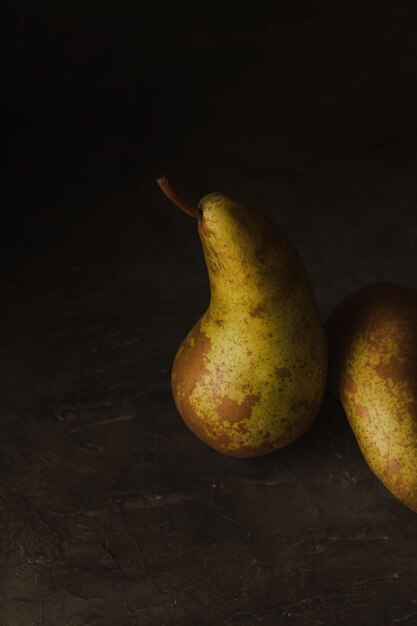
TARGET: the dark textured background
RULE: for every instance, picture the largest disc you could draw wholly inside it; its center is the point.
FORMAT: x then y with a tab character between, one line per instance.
112	513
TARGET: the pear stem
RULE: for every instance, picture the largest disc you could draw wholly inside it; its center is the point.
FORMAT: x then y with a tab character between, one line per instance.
170	193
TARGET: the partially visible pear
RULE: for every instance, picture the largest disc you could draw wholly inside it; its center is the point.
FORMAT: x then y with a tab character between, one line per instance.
250	376
373	365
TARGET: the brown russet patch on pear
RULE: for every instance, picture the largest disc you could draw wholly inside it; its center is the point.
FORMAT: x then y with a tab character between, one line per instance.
394	466
361	410
233	411
349	384
189	367
282	372
228	409
251	400
257	311
219	323
193	355
393	370
193	421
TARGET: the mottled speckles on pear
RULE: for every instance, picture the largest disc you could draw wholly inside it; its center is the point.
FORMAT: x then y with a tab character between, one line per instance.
373	351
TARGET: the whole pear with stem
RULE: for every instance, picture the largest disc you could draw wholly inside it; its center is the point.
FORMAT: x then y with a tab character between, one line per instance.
250	376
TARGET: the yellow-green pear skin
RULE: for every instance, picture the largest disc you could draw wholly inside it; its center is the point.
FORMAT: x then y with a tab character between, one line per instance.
373	365
250	376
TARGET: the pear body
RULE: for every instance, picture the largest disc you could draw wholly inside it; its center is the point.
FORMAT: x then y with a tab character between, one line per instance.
250	376
373	365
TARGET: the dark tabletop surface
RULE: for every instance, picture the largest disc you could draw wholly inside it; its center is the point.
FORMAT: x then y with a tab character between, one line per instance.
111	512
